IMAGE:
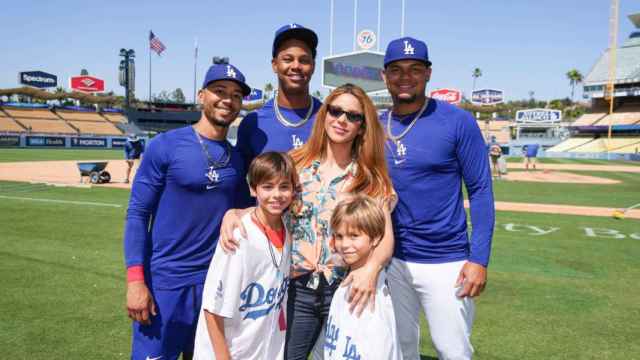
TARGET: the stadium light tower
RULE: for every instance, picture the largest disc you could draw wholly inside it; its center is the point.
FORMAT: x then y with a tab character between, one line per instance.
126	72
217	60
613	48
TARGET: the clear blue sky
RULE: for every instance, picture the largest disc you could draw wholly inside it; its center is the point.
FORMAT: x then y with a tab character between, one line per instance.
520	45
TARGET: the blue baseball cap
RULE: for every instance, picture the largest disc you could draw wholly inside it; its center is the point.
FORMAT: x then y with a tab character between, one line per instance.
406	48
226	72
298	32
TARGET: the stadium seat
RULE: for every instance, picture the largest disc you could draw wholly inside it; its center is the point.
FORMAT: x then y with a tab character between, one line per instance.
47	126
589	119
95	127
80	116
9	125
624	115
31	114
569	144
595	146
115	117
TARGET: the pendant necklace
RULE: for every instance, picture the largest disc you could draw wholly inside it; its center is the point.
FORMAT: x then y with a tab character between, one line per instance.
212	175
263	227
283	120
396	138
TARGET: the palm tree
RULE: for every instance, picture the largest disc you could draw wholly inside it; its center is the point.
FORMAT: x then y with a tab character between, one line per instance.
268	88
476	74
575	77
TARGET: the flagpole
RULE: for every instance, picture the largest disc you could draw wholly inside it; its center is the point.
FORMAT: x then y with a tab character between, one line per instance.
195	67
149	68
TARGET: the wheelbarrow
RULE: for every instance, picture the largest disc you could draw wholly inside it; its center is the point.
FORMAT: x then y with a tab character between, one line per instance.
95	172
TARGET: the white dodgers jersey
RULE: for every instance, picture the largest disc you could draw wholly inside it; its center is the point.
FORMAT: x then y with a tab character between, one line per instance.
372	336
250	292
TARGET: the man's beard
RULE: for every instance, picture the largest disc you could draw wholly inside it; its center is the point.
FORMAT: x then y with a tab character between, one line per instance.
208	113
404	100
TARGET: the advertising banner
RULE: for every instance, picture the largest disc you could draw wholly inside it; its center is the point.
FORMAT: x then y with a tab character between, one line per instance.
487	97
538	116
255	95
452	96
88	142
38	79
86	84
361	68
53	141
9	140
118	142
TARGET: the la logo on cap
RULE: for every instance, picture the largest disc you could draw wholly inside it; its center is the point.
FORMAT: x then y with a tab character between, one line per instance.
292	26
408	49
231	72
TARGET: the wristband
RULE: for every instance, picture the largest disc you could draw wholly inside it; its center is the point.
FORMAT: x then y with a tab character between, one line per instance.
135	273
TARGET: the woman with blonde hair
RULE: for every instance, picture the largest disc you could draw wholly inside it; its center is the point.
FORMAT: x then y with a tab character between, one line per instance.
343	156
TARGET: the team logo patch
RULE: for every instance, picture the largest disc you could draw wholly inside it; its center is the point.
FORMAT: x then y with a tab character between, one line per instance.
213	177
408	49
220	290
230	72
296	142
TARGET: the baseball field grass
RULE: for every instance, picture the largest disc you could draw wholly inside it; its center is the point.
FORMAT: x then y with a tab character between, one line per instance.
621	195
10	155
560	287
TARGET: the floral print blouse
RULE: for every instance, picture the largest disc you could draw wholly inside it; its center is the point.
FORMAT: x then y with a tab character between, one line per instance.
309	224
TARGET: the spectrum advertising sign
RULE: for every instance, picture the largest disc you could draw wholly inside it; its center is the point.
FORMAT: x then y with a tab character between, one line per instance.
86	83
38	79
487	97
538	116
452	96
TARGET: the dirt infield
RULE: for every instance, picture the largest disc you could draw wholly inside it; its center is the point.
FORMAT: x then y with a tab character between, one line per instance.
66	172
61	172
579	167
549	176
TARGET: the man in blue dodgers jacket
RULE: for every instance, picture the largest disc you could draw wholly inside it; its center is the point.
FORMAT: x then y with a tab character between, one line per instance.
186	182
432	148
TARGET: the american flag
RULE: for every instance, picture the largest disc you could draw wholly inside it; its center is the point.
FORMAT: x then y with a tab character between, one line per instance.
155	44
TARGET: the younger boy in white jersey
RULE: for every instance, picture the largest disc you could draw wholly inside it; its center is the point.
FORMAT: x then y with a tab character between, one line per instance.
244	299
358	225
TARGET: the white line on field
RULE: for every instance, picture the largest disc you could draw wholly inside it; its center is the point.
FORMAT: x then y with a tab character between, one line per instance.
60	201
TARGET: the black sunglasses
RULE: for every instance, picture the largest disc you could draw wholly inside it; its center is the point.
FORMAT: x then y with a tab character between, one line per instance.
336	112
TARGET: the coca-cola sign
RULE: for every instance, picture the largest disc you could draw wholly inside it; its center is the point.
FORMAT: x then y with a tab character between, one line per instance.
87	84
452	96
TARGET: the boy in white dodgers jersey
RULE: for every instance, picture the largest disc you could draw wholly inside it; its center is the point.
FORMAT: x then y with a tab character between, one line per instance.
244	299
358	225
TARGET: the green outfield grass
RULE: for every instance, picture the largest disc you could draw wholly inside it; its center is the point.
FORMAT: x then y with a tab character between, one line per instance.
516	159
11	155
620	195
554	291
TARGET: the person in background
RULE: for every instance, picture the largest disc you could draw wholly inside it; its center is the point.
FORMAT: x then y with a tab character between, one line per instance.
133	149
530	155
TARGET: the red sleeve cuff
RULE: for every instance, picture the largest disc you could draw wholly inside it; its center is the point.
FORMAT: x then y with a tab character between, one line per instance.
135	273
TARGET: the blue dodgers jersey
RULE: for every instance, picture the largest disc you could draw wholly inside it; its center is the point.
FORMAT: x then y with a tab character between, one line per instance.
133	149
427	167
532	150
184	202
260	131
